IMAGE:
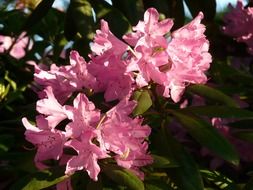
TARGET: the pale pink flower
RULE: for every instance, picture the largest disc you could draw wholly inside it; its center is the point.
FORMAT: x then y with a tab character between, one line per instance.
131	150
65	80
108	66
88	155
49	141
18	46
172	61
51	108
83	116
189	58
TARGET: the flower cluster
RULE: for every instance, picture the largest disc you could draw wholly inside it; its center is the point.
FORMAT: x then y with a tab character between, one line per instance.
91	134
151	54
239	24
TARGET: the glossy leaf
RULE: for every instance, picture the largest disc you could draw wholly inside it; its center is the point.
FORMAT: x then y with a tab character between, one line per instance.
212	94
220	111
186	176
162	162
144	102
82	16
219	180
118	23
123	177
40	180
207	136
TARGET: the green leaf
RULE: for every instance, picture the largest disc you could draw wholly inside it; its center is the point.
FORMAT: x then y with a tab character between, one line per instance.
212	94
242	124
94	185
220	111
244	135
162	162
6	142
186	176
219	180
132	9
117	22
144	102
249	185
157	185
82	16
39	12
123	177
207	136
40	180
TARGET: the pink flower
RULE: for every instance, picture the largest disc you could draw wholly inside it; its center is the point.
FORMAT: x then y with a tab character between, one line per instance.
189	58
171	62
131	150
108	66
51	108
88	155
151	30
83	115
239	24
65	80
18	49
49	141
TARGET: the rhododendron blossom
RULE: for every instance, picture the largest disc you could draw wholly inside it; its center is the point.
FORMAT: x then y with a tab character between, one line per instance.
239	24
92	134
67	119
174	61
17	47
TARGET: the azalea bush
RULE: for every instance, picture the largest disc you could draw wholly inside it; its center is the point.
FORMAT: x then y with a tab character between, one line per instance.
126	95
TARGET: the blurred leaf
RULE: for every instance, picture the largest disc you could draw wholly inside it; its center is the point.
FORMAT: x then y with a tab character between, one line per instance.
132	9
207	7
242	124
123	177
219	180
11	82
212	94
157	185
144	102
244	135
82	16
219	111
162	162
39	180
95	185
207	136
6	142
40	11
186	176
117	22
249	185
